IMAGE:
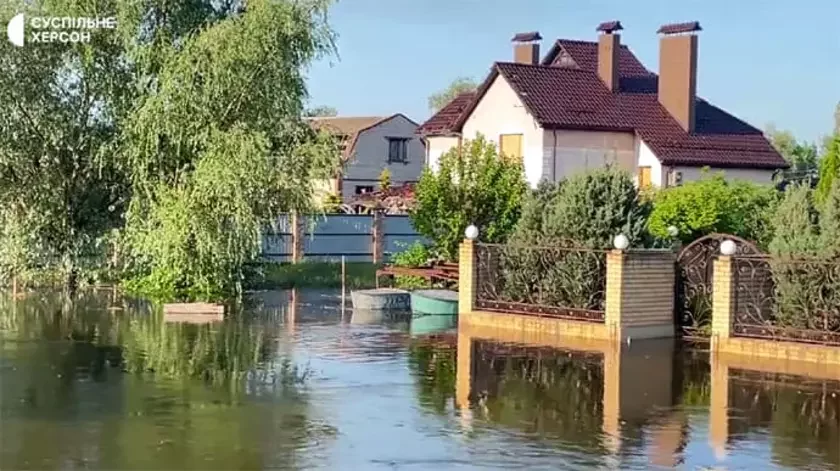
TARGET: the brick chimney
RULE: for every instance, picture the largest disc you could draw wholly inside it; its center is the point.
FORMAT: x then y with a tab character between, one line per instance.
526	48
678	71
609	45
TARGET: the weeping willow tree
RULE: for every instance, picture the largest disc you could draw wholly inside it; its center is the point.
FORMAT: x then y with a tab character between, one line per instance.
217	148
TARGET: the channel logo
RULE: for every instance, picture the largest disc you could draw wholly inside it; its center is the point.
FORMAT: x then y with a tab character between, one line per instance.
15	30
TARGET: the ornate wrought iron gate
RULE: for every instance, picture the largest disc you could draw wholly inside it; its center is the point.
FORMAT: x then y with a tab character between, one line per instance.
695	280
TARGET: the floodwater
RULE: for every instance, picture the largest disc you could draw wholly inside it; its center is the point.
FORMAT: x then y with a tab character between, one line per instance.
295	382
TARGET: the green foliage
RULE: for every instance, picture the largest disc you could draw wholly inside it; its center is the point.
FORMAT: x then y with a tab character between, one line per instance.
458	86
801	155
415	255
472	186
795	224
805	269
331	203
358	275
830	222
385	180
713	204
320	111
588	210
216	150
550	261
60	191
829	168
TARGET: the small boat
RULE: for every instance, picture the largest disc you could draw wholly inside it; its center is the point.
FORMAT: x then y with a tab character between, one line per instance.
434	301
381	299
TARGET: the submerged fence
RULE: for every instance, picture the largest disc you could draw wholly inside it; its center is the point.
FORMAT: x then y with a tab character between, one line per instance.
356	237
566	283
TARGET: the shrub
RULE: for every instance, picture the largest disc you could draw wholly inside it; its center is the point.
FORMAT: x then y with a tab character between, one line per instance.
805	266
415	255
586	211
713	204
829	168
385	180
472	186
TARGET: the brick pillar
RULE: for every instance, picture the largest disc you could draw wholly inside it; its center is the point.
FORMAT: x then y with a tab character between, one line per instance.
378	236
640	294
467	277
615	278
297	237
723	300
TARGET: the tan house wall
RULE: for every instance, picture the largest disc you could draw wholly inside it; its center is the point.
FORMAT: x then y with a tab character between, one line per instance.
501	111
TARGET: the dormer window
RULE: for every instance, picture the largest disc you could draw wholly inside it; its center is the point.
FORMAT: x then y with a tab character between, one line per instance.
564	59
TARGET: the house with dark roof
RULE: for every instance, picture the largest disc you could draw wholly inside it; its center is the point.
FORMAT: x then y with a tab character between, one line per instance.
588	104
370	144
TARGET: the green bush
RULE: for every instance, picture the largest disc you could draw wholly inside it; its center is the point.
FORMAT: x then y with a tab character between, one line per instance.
413	256
829	168
472	186
713	204
805	265
587	211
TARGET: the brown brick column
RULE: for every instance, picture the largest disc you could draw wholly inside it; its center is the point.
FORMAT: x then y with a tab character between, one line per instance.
467	278
723	300
640	294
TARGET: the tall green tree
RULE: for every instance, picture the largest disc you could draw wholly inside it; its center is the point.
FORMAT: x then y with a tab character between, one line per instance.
320	111
60	191
458	86
801	155
473	185
217	149
829	168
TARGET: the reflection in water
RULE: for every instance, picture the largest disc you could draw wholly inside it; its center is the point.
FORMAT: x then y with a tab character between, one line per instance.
290	382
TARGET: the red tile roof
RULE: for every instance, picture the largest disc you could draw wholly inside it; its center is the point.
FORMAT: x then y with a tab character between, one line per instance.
576	98
676	28
442	122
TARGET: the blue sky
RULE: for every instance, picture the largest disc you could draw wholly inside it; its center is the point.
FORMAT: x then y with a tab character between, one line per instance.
763	60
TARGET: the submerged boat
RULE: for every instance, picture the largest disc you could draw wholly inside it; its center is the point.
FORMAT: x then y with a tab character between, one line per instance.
434	301
381	299
433	310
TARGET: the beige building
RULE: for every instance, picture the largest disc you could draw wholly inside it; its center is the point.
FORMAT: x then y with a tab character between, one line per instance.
586	104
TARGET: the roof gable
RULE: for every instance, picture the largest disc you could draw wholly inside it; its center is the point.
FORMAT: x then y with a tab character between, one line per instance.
349	128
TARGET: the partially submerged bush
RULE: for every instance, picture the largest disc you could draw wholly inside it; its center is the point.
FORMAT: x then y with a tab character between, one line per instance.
413	256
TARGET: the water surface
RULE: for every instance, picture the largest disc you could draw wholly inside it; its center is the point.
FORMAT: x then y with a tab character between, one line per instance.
296	382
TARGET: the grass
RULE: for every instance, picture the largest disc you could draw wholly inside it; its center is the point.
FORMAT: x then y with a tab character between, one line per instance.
315	275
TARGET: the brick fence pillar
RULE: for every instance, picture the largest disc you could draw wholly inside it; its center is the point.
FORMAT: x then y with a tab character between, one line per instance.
640	294
723	300
296	222
378	236
467	277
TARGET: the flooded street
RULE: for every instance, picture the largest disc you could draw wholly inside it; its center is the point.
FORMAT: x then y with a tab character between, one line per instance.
296	382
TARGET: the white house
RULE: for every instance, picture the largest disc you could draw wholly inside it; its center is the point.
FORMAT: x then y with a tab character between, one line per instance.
586	104
370	145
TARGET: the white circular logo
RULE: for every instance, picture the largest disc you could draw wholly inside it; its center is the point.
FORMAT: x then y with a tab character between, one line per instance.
15	30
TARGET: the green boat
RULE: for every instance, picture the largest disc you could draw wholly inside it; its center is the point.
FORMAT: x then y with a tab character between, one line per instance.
433	310
434	301
424	324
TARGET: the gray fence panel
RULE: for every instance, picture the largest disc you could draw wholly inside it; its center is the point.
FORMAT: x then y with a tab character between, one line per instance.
336	225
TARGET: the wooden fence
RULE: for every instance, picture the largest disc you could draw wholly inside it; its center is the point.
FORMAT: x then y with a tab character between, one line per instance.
357	237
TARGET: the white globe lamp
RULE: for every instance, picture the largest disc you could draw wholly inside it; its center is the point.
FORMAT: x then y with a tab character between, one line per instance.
727	247
621	242
472	232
